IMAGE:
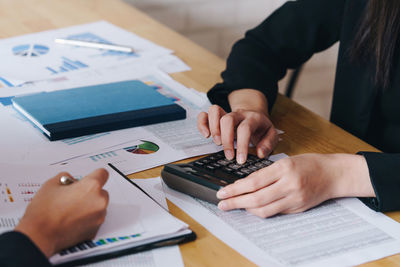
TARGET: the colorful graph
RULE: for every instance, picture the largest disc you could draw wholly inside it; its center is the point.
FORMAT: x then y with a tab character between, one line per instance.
144	148
67	65
30	50
104	241
6	194
96	243
18	192
161	90
28	190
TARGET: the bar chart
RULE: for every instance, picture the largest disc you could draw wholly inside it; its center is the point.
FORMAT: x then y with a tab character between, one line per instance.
67	65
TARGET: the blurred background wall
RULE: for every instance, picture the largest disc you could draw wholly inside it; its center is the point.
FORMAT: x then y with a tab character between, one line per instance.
217	24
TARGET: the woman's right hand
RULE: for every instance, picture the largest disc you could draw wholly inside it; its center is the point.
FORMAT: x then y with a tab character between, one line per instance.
246	125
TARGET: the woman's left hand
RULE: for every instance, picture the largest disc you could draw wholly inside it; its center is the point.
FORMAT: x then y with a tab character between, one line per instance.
298	183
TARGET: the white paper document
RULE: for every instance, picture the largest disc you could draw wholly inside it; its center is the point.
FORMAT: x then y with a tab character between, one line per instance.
161	257
43	65
132	217
166	256
34	62
131	150
341	232
154	145
36	56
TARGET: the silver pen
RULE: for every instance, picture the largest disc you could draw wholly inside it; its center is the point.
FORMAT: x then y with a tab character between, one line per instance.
112	47
66	180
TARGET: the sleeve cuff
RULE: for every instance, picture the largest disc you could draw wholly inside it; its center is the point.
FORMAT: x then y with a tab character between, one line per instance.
218	95
385	179
16	249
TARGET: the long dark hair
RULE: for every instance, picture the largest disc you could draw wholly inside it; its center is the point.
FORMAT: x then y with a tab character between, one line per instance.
377	38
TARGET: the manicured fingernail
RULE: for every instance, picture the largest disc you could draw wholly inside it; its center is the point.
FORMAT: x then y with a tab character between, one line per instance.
241	158
262	152
222	205
221	194
205	133
217	140
229	154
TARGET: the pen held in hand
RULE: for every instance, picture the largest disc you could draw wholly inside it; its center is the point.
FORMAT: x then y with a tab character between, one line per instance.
112	47
65	180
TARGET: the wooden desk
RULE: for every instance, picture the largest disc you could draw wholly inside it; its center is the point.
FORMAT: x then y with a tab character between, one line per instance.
304	131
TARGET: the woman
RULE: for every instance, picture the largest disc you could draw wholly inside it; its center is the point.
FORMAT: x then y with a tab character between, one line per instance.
58	217
365	103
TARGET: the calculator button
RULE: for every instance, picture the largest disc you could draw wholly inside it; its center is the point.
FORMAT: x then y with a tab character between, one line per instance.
246	171
235	166
206	161
267	162
240	174
210	168
260	165
216	165
227	170
199	163
245	165
223	162
253	168
250	161
216	157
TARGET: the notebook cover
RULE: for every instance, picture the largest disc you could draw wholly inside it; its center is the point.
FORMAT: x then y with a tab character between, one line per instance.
93	109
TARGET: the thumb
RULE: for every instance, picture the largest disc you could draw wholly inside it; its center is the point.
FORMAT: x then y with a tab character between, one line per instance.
267	143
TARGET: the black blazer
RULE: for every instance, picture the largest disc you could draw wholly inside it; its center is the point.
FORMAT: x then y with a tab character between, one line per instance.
17	250
287	39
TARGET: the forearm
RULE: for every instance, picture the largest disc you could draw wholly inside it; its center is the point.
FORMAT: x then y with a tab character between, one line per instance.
349	176
248	99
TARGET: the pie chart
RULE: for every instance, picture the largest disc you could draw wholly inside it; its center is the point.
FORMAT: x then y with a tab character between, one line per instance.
146	147
30	50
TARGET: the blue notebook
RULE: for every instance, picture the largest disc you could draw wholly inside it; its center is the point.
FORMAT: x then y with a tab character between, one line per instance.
93	109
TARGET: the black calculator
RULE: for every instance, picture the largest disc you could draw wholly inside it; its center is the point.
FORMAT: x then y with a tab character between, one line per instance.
202	178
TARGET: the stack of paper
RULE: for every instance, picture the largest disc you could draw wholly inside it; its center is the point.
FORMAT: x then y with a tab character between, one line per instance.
36	57
133	219
35	63
341	232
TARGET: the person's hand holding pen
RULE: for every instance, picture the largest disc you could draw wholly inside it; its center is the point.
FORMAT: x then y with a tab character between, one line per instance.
248	121
65	211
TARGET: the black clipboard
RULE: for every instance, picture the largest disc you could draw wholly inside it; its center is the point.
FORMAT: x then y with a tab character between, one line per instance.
106	256
179	239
